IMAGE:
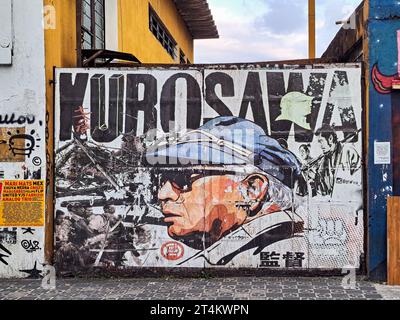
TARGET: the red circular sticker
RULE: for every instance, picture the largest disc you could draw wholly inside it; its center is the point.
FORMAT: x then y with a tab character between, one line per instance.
172	250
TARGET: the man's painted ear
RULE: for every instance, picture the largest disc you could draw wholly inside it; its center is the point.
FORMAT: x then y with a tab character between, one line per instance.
257	188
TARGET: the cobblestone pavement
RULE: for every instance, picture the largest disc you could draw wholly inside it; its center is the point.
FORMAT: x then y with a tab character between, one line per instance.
197	289
388	292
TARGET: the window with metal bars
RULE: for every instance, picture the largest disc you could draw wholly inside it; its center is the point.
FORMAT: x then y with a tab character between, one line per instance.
182	57
162	34
93	24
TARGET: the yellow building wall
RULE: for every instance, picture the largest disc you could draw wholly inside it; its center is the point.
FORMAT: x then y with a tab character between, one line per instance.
136	38
60	51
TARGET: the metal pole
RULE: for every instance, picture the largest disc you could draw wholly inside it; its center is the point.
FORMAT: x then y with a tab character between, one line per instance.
311	29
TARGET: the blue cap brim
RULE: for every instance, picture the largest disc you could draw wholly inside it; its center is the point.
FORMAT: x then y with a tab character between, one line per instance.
199	153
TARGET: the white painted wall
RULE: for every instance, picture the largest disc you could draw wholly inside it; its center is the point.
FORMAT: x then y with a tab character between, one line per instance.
23	93
111	7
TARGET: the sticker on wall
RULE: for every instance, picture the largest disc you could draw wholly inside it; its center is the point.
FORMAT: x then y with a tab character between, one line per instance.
22	203
382	153
172	251
9	143
8	235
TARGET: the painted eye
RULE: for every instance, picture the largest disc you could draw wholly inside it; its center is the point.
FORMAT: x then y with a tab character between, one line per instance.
175	185
181	187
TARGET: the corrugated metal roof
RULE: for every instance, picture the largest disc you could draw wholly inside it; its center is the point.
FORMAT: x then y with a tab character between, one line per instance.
198	18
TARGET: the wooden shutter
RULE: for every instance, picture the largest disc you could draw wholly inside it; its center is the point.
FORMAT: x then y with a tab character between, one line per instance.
393	219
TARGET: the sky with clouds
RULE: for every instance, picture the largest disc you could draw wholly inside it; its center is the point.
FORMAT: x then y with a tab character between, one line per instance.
267	30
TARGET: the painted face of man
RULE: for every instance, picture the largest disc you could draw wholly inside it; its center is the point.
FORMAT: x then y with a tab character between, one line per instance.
207	204
304	153
326	145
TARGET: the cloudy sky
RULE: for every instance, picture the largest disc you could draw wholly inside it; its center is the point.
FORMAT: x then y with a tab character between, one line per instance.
265	30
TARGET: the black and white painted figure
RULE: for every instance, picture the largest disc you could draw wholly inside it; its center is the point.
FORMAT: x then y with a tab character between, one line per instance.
339	161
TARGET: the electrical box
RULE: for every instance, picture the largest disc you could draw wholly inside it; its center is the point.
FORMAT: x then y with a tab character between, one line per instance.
6	41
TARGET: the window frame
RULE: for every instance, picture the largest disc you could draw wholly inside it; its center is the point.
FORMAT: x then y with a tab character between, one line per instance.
166	37
182	57
80	28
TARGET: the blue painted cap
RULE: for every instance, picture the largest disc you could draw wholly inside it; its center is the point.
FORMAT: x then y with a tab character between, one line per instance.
227	141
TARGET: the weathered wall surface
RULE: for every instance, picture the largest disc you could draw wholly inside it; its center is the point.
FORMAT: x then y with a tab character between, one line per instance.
384	39
22	145
134	31
234	168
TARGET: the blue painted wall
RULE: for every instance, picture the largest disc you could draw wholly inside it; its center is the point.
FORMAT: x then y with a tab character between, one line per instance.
384	21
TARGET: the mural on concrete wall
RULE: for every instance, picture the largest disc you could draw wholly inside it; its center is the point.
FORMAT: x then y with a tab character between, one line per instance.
390	85
383	26
385	84
209	168
22	186
22	140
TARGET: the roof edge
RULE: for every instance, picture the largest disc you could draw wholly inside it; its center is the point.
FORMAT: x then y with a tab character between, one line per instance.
198	18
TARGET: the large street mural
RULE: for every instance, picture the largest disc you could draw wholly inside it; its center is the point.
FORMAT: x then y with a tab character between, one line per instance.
203	168
389	85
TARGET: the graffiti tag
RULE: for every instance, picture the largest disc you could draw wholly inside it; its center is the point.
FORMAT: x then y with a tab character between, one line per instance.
13	119
33	273
37	161
30	246
2	256
28	140
28	230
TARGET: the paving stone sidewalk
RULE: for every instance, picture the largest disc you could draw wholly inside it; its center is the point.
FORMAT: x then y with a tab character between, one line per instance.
197	289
